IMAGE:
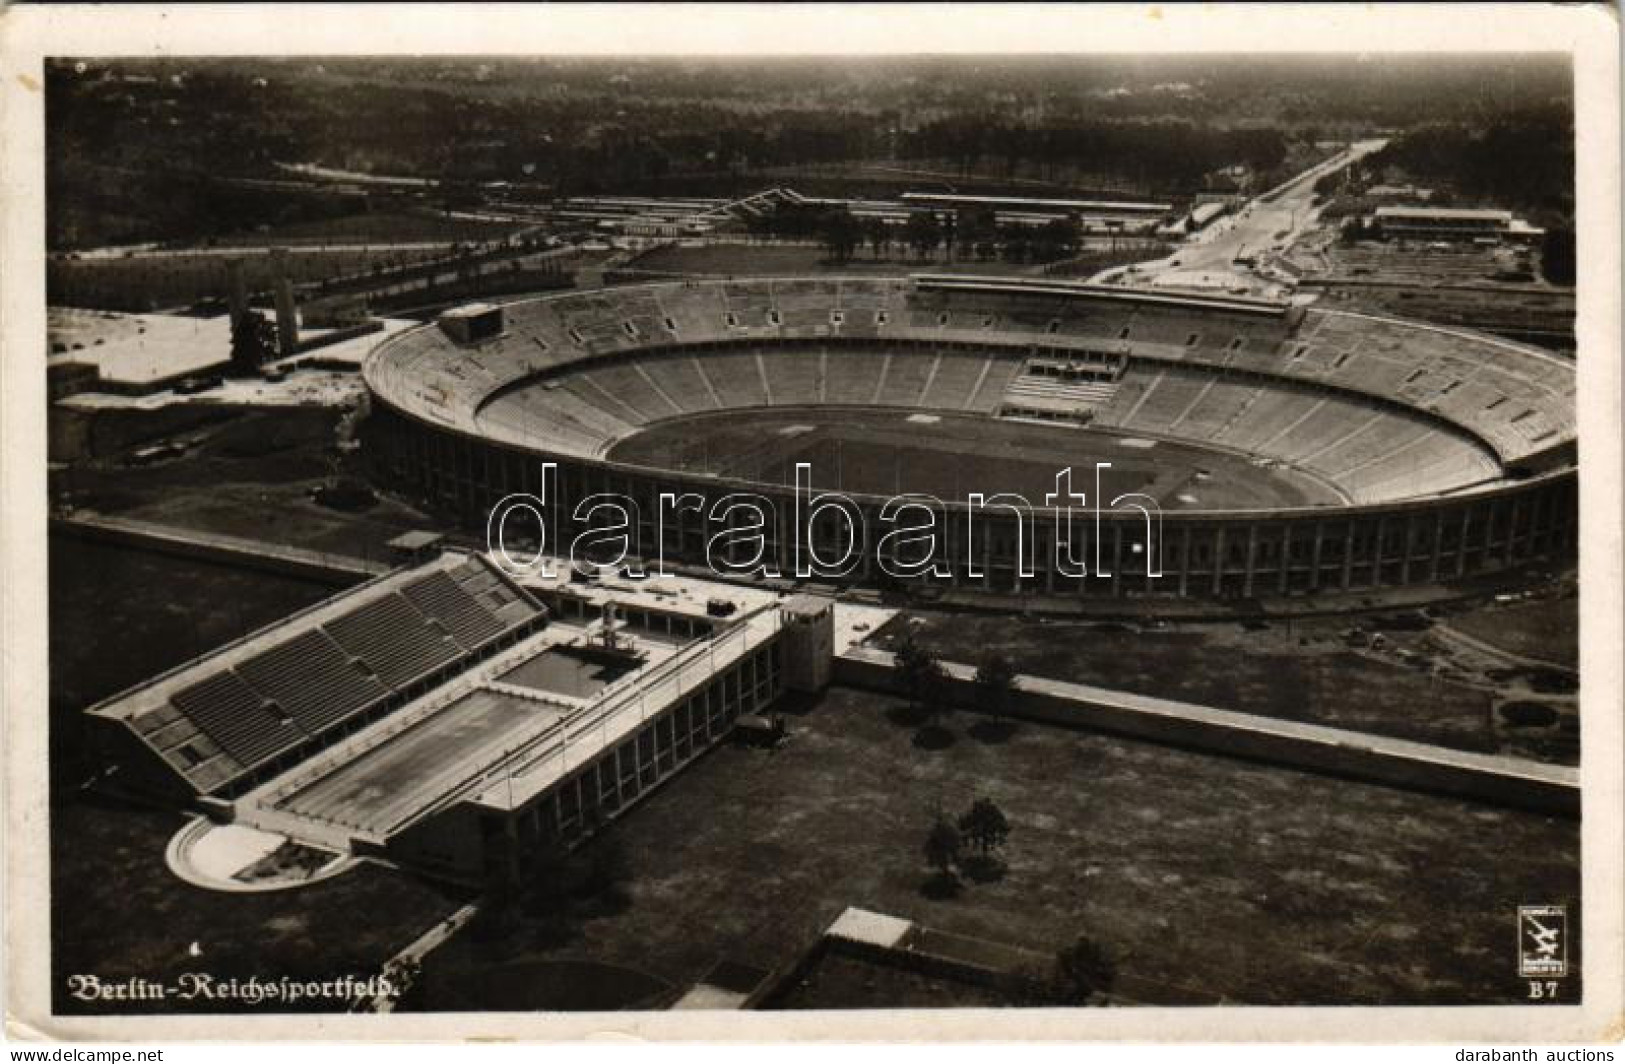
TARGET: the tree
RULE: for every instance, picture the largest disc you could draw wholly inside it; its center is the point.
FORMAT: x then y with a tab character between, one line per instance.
995	680
923	676
985	825
942	846
1018	244
878	233
1056	240
923	233
978	226
840	233
253	342
1557	256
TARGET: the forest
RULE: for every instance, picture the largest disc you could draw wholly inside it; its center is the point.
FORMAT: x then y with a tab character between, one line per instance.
181	148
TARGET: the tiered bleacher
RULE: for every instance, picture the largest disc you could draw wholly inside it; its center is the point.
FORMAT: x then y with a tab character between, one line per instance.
395	642
311	678
246	724
1371	450
572	374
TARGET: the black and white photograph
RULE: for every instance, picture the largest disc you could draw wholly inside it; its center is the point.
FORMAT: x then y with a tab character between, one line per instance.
816	524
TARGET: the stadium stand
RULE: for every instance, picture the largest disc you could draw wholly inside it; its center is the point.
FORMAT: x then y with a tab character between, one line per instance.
441	599
578	372
296	685
311	678
246	726
394	640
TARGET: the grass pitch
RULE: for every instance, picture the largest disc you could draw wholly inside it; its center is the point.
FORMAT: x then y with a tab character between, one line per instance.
892	452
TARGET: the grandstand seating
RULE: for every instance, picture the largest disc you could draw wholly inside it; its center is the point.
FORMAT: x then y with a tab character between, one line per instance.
393	639
1048	393
792	376
905	379
737	377
440	598
1360	445
957	381
244	724
584	369
852	376
311	679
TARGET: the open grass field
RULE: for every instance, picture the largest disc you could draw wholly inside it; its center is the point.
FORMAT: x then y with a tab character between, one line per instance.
174	279
250	473
770	260
1544	629
118	616
1301	670
1205	877
892	452
377	227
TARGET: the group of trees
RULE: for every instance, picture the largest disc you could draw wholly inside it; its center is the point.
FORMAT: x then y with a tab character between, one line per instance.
1557	255
141	148
1171	154
253	342
1079	973
968	233
923	678
926	681
983	827
1521	161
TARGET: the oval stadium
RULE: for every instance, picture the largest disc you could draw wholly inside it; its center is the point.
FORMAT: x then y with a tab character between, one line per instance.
1290	450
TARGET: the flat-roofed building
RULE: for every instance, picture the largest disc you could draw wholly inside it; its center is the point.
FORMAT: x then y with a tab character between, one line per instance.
472	323
1448	223
460	718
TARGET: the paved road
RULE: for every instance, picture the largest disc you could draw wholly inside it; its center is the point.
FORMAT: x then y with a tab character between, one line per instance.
1266	225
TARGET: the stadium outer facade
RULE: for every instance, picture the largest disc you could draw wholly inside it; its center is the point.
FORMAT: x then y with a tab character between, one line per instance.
1455	452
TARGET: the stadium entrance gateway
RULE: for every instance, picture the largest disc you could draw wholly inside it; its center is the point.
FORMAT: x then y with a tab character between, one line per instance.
457	720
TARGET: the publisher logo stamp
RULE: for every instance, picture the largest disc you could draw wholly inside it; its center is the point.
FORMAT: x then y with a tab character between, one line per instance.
1543	941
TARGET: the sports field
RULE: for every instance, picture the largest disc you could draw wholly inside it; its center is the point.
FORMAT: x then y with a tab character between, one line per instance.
892	452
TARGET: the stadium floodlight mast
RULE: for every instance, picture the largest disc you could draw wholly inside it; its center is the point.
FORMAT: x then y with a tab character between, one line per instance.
606	528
